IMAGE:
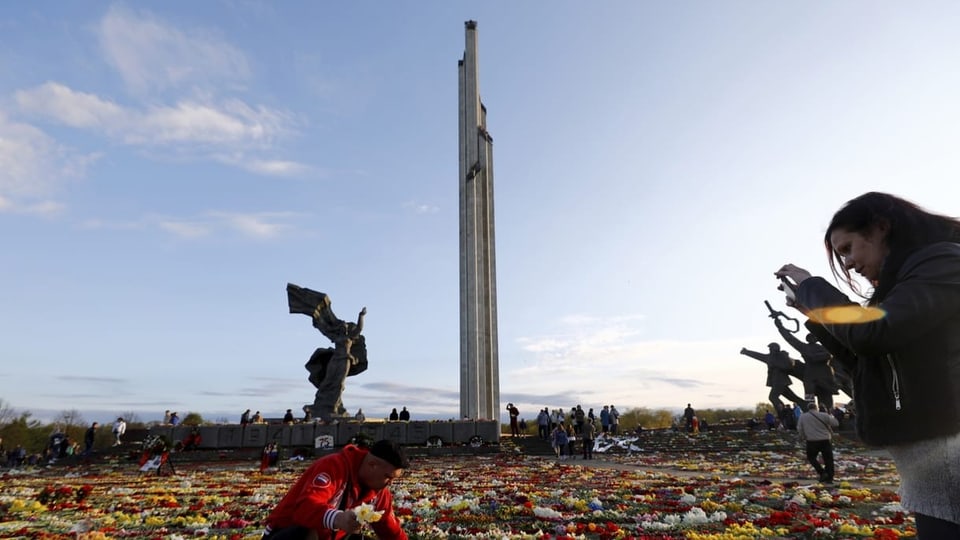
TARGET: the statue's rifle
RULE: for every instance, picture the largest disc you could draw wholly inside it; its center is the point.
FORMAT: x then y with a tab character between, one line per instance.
774	314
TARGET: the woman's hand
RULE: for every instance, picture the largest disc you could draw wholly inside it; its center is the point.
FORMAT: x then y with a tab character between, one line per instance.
793	272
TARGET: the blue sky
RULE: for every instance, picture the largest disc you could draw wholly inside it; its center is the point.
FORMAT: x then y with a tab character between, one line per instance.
166	169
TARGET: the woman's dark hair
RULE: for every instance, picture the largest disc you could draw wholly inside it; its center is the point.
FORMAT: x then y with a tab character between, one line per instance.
908	227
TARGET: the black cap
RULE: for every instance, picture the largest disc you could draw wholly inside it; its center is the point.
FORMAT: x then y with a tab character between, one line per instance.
391	452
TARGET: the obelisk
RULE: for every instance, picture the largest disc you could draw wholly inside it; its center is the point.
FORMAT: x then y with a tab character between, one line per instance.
479	364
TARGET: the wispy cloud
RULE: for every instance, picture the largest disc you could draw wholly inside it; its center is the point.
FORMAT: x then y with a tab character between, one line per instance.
268	167
32	168
88	379
649	372
227	123
181	82
257	225
421	208
152	55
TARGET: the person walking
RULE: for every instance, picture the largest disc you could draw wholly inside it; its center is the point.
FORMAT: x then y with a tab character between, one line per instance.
119	428
815	429
904	350
89	437
558	439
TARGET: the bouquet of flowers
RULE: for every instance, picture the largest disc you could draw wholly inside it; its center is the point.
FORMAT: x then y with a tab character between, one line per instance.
366	515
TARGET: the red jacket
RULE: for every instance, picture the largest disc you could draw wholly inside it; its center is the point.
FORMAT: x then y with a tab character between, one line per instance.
314	500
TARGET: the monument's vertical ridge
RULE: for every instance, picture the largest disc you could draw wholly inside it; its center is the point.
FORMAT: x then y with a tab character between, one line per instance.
479	362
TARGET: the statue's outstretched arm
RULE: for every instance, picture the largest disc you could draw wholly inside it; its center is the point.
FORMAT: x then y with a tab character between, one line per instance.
791	339
363	313
753	354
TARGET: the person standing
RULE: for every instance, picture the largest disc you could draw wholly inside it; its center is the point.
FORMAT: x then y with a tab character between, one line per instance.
589	432
605	419
89	437
404	415
614	420
688	415
244	418
514	419
815	428
543	424
904	350
323	502
119	428
166	417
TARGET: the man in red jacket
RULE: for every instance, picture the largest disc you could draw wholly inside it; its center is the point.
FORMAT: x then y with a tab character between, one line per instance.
321	504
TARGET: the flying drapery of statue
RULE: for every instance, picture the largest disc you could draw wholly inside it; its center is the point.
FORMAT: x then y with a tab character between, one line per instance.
330	367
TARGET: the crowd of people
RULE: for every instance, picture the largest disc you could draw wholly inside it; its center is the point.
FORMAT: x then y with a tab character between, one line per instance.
246	418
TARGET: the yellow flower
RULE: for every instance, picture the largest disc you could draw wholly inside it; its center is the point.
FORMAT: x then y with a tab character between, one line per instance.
366	514
709	506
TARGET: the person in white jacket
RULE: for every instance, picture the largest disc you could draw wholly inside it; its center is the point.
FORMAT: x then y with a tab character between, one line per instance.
816	428
119	428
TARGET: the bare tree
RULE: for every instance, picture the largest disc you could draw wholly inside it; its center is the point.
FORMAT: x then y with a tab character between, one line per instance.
7	413
132	419
71	418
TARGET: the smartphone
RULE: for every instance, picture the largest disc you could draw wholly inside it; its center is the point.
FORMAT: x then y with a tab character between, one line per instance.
788	287
786	284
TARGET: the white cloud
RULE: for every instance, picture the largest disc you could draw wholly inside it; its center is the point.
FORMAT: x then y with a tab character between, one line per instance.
261	225
151	54
219	131
258	225
657	373
32	167
231	122
263	166
421	208
184	229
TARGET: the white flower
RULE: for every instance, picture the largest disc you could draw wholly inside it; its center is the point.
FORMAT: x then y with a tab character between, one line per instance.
366	514
892	507
546	513
696	516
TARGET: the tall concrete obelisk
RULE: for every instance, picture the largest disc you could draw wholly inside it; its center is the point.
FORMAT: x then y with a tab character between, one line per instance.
479	364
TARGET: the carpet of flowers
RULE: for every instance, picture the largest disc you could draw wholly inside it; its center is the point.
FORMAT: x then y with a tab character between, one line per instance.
503	496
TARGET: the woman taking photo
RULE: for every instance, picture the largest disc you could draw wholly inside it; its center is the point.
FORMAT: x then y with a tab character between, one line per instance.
902	347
